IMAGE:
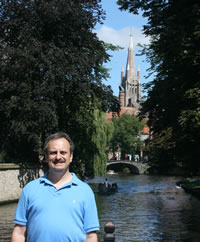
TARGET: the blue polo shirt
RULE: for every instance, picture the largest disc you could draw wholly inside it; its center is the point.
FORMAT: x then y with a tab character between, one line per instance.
50	214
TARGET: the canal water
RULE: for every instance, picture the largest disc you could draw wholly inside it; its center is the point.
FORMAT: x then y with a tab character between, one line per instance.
145	208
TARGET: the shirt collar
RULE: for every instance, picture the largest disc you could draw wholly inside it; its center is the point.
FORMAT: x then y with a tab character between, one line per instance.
73	181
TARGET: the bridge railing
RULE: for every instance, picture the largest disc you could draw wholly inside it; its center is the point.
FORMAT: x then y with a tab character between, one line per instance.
110	161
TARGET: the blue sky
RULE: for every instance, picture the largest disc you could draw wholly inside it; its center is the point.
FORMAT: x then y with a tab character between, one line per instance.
116	29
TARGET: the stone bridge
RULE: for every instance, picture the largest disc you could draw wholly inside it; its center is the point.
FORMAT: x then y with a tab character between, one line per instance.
135	167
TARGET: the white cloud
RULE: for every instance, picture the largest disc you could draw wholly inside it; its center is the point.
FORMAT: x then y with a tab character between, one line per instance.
121	37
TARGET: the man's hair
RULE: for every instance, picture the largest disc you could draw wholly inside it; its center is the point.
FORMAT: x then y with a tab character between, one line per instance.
55	136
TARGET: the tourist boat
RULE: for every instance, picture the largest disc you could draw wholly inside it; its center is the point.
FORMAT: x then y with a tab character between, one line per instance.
107	189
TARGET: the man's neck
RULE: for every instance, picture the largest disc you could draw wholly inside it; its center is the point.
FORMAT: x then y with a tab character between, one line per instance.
59	179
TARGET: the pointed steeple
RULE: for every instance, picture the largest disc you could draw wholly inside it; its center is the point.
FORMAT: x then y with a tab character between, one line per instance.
130	66
130	86
122	68
122	72
138	73
131	42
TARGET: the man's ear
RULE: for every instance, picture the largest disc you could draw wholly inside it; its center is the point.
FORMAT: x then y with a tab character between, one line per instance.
45	159
71	157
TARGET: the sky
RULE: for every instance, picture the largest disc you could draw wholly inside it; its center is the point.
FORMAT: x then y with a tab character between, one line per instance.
116	29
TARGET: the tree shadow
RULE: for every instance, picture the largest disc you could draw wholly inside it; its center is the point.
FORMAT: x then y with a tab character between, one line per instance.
29	172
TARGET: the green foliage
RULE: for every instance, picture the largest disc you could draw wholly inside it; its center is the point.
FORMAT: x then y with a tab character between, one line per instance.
190	117
191	185
162	143
126	171
96	141
100	140
126	136
173	95
112	47
51	73
2	156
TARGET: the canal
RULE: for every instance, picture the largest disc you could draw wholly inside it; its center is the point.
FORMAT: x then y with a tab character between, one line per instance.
145	208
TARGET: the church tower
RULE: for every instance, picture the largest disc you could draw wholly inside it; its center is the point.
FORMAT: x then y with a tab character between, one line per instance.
130	87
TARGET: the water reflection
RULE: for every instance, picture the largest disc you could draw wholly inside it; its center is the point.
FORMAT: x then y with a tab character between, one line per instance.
146	208
6	222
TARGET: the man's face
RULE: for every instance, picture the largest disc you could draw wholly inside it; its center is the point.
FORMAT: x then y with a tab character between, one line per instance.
58	155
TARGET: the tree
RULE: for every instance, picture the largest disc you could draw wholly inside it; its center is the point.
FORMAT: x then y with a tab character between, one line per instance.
100	140
51	73
126	135
173	102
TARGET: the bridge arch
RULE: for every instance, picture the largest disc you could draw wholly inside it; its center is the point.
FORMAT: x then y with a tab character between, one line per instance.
134	167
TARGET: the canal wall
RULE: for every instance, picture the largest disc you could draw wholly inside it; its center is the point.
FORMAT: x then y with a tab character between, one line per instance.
13	178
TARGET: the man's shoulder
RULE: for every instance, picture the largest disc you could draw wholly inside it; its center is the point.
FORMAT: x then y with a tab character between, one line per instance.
80	183
33	183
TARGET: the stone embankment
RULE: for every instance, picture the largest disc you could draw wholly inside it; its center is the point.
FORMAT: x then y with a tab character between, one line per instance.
12	180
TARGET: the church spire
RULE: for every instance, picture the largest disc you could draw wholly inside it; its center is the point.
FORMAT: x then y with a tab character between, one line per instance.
130	66
138	73
130	86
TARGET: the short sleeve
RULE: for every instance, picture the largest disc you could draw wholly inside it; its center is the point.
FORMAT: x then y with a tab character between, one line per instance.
21	211
91	221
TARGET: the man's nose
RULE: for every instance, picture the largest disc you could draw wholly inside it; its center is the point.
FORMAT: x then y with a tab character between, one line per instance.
58	155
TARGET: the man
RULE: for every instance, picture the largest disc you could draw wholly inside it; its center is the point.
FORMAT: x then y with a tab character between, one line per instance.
58	206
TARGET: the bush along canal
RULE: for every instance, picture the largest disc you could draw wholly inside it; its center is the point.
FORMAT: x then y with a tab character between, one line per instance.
190	185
